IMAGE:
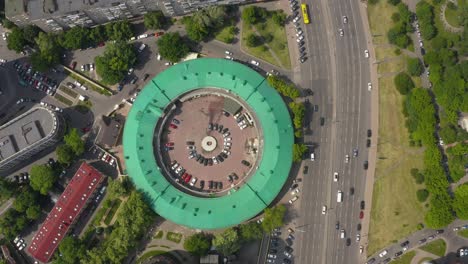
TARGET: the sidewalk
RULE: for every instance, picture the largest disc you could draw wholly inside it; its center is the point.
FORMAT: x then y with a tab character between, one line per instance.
374	126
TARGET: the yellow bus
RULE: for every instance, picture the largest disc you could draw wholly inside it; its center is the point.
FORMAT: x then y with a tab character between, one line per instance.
305	13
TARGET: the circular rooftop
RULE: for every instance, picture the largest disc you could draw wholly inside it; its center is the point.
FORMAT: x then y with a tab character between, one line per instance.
220	122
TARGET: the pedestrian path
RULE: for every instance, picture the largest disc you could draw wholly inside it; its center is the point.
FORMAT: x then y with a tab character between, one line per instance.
421	254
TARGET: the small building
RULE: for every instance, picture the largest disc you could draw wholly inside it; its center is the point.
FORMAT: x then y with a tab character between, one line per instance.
109	132
67	210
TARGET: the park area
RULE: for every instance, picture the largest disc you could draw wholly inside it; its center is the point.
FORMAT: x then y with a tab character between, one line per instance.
396	211
264	36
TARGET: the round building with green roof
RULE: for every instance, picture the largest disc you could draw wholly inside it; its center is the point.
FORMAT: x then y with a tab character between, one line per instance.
209	143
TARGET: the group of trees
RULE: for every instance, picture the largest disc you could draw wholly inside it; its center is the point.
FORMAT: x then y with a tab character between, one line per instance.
231	240
298	110
117	59
20	37
457	160
133	220
155	20
285	89
398	34
415	66
403	83
425	13
460	202
74	146
254	14
172	47
203	23
26	208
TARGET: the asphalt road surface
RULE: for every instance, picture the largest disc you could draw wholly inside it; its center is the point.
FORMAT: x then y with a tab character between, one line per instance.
337	72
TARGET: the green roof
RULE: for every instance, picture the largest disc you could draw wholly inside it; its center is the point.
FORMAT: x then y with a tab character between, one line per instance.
262	187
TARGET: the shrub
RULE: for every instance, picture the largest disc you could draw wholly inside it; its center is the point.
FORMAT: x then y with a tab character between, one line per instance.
252	40
394	2
422	195
415	67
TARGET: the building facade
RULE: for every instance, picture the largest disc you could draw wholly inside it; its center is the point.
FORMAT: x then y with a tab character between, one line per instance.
57	15
28	134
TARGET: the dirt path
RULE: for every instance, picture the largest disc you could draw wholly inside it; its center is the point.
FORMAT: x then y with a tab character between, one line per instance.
421	254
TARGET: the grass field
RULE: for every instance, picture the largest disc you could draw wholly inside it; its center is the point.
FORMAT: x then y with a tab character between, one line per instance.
395	65
436	247
112	211
159	234
150	254
424	260
226	34
405	259
463	233
174	237
68	91
380	20
63	99
453	16
441	29
396	211
278	44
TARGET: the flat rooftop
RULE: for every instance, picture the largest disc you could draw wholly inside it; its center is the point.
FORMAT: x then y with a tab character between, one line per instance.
65	212
48	8
25	130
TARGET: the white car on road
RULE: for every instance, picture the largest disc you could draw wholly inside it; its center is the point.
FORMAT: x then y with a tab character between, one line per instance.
369	86
366	53
293	200
324	209
383	253
335	176
255	63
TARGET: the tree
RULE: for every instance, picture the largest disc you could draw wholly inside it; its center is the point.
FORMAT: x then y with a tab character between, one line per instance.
42	178
154	20
460	202
119	31
279	18
118	188
198	244
115	62
49	52
448	133
11	223
196	31
97	34
440	213
65	154
71	250
75	142
16	40
250	231
273	218
6	188
394	2
33	212
26	199
172	47
227	242
422	195
249	15
8	24
415	67
252	40
403	83
30	33
298	152
76	38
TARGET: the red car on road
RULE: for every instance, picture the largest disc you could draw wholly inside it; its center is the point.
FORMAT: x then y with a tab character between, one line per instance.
169	144
173	126
187	179
157	34
73	65
361	215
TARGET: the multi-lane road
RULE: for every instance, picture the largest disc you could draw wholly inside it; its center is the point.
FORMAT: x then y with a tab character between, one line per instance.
338	72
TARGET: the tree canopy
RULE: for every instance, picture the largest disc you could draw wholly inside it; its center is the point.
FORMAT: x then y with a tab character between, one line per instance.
42	178
75	38
253	14
75	142
403	83
250	231
197	244
154	20
16	40
70	250
113	65
253	40
119	31
172	47
65	154
204	22
48	54
415	67
26	199
298	152
273	218
227	242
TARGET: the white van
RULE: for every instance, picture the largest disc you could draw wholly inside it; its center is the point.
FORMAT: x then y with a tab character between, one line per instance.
339	196
312	156
159	57
342	234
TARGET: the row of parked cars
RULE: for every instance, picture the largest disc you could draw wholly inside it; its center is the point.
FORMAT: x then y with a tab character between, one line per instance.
35	79
274	247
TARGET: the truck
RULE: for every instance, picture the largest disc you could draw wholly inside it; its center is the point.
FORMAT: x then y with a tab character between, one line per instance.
141	48
339	196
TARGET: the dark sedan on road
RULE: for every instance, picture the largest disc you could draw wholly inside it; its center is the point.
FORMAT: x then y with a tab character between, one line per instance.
363	205
404	244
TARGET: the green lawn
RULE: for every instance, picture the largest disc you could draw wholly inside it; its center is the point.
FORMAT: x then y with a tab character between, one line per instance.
424	260
150	254
112	211
174	237
68	91
380	20
278	44
394	65
159	234
396	211
463	233
454	16
63	99
405	259
227	34
441	29
436	247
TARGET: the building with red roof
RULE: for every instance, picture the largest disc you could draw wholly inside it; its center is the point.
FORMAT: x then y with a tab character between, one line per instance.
66	211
